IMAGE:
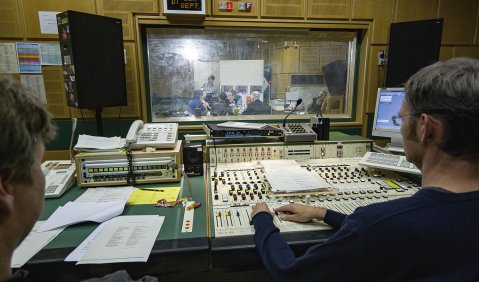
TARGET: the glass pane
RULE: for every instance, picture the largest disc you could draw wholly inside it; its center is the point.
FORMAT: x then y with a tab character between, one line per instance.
222	74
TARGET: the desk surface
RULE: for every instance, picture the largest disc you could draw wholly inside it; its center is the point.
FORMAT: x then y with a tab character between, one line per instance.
173	251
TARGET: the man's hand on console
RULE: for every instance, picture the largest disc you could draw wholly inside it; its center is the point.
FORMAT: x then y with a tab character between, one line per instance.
260	207
300	213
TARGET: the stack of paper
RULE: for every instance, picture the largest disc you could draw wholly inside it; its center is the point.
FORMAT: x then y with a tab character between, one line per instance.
96	204
88	143
32	244
287	176
121	239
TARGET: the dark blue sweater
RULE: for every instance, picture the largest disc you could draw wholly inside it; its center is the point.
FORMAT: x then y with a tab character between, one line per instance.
430	236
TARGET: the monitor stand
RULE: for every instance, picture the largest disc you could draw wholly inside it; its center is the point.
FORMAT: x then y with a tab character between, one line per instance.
396	145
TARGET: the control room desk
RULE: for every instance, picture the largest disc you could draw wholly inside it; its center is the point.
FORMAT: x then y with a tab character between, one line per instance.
173	252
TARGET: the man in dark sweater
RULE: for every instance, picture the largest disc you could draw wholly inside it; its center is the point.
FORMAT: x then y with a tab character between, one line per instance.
257	107
431	236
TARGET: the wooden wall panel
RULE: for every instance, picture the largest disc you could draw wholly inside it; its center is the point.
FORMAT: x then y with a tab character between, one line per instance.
55	91
329	9
10	22
413	10
376	77
309	60
445	53
380	11
280	85
291	60
124	9
135	6
459	21
283	8
235	13
472	52
32	7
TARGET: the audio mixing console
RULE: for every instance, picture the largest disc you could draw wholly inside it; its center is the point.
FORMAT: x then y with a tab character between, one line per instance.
235	187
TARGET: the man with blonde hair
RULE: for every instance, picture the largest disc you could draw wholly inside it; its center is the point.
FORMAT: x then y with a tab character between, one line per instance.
25	127
430	236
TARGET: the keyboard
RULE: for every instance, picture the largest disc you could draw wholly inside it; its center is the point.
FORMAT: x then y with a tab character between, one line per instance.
389	162
59	177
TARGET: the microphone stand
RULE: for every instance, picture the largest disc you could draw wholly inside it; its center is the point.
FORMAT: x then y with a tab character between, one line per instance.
297	104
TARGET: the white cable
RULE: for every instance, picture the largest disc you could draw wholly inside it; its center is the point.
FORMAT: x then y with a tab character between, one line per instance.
74	127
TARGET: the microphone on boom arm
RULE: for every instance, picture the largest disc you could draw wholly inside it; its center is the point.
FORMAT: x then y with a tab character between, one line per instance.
298	102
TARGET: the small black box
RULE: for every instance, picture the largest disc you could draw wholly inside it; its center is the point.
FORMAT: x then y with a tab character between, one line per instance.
321	127
193	159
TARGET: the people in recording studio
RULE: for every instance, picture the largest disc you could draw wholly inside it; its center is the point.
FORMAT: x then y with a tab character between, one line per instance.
257	107
25	123
430	236
319	104
198	106
210	88
234	98
221	107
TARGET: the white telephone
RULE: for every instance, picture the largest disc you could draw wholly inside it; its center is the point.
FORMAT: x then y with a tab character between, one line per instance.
59	177
156	135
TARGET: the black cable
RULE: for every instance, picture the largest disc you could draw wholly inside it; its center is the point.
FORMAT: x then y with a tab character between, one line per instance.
83	121
130	177
118	122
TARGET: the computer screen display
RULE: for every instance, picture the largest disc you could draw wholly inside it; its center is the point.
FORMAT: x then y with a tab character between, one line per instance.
386	120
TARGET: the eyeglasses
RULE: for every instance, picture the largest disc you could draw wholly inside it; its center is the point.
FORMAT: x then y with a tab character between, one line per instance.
401	116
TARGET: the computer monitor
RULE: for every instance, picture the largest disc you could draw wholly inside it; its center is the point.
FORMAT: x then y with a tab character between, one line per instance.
386	120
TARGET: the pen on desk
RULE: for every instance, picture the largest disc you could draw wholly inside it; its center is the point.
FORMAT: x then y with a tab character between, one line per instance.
152	189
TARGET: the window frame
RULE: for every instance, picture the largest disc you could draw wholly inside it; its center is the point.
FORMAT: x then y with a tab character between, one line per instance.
353	116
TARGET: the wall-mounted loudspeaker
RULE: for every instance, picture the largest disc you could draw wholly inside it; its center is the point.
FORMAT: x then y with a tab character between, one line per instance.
193	159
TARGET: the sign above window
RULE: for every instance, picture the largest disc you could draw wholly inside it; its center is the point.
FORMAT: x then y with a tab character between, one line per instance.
184	7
